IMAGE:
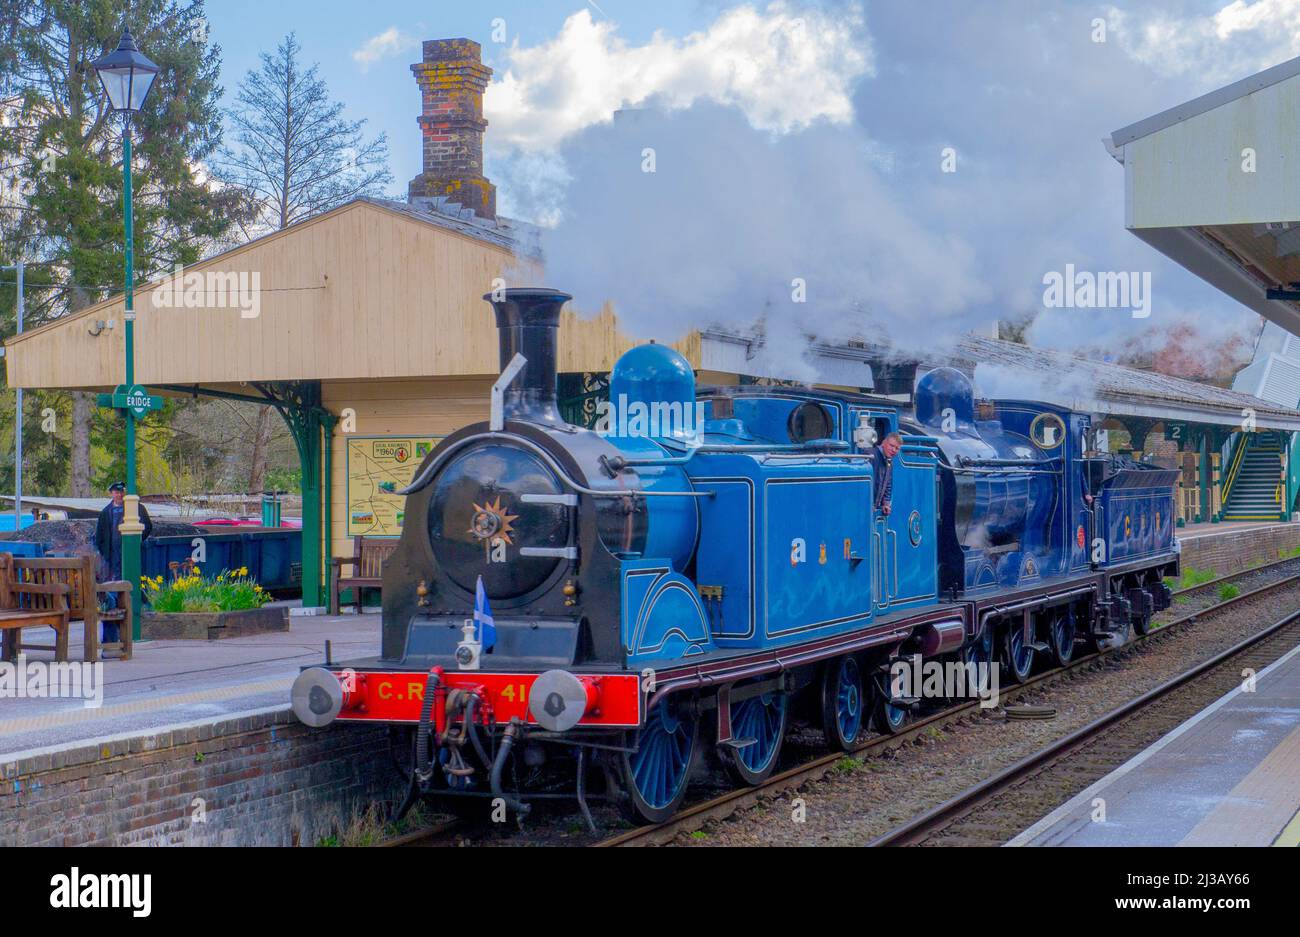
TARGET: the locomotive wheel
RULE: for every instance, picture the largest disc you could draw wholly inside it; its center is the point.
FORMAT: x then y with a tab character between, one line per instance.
761	718
1060	637
656	773
1119	639
885	718
843	702
980	652
1141	624
1017	656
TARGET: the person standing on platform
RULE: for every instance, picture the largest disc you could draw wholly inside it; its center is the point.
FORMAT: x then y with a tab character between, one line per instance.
108	541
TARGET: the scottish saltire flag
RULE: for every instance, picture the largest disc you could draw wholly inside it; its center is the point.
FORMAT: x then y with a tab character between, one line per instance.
487	626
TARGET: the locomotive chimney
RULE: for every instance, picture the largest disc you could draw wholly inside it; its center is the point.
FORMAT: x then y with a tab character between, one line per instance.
528	320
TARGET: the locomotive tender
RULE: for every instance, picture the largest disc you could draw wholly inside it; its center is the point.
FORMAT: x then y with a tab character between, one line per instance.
660	588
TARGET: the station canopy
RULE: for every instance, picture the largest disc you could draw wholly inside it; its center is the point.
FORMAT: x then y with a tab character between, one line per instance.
1214	184
1104	388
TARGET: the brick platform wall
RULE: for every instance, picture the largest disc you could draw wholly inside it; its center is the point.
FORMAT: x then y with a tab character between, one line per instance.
265	780
1229	552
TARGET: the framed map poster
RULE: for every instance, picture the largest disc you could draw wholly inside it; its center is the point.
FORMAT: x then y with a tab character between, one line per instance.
378	467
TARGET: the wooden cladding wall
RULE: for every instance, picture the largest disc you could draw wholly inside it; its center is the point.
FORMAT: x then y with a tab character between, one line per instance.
362	292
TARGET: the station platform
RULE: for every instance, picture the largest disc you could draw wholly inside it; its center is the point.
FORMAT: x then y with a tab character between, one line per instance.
1229	776
173	682
1192	531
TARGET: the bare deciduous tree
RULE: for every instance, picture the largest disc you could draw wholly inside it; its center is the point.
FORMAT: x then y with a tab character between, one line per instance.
291	149
295	156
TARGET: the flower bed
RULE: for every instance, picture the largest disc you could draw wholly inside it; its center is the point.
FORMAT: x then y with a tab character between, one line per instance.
194	606
191	591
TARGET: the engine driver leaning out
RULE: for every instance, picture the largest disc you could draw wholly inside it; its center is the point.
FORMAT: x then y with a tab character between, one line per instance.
882	460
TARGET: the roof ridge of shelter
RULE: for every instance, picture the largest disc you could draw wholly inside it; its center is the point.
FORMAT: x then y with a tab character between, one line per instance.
1206	102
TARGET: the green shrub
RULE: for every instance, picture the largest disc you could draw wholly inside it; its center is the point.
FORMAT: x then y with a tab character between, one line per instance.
1195	577
1228	591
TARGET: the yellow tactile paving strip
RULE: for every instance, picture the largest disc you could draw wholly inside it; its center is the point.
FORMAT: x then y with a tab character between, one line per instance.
1260	805
1291	835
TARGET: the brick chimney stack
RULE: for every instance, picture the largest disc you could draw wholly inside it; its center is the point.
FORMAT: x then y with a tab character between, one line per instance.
452	79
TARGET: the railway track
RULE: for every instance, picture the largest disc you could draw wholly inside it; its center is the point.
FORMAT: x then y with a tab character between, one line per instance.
992	812
694	817
440	834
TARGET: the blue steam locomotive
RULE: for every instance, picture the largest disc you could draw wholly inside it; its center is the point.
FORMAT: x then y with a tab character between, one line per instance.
707	565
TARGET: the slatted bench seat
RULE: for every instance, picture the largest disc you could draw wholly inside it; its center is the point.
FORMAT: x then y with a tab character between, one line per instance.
367	562
84	594
31	605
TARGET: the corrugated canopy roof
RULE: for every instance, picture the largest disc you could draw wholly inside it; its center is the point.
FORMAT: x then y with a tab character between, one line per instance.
1101	387
1206	102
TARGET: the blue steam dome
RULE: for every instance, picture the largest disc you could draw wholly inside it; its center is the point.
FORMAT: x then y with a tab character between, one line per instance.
941	389
652	393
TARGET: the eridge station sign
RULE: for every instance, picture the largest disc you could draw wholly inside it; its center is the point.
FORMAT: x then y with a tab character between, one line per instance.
135	398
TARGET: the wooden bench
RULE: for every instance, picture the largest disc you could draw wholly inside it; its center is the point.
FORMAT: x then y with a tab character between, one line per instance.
367	562
31	605
77	575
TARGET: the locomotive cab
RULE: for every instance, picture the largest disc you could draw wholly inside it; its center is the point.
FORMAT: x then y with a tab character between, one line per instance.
1000	499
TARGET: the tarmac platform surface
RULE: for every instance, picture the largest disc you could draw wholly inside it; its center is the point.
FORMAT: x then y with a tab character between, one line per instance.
1229	776
170	682
1195	531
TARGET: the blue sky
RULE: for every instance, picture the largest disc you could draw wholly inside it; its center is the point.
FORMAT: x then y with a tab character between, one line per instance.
803	139
385	93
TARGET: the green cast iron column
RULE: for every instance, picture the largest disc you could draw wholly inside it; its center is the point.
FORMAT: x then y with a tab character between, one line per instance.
328	421
131	538
312	593
1204	474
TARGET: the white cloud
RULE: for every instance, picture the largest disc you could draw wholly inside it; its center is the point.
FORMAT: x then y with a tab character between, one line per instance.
784	68
391	42
1235	40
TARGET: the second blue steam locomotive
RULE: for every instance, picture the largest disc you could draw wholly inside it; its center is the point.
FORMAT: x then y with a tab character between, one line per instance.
707	565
